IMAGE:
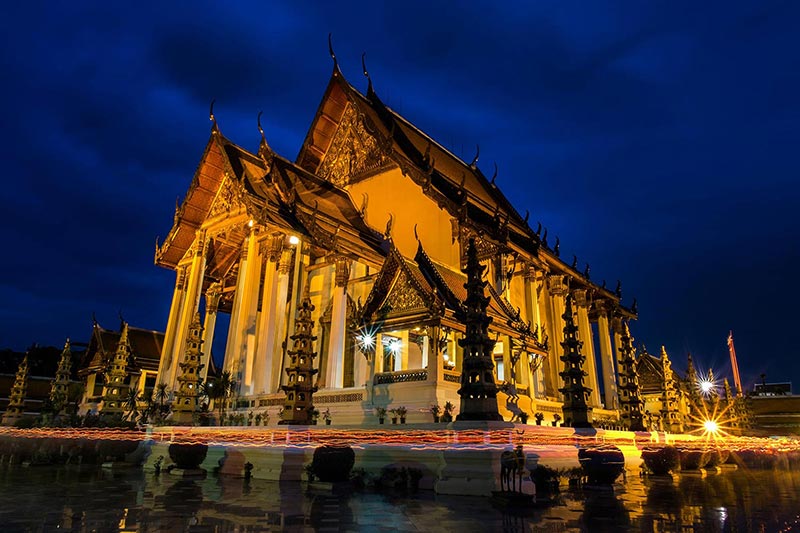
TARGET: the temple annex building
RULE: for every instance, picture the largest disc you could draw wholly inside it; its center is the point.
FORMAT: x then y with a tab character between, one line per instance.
372	222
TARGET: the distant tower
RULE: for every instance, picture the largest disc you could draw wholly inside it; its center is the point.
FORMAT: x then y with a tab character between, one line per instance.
115	389
16	402
734	365
59	388
478	389
630	400
577	412
299	402
670	414
185	404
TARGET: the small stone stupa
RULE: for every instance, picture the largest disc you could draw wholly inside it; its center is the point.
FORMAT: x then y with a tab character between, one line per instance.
299	405
577	412
478	388
16	402
630	400
186	405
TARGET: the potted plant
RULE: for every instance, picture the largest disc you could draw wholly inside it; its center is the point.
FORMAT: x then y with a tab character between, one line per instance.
394	415
556	419
523	417
448	412
314	415
546	480
250	416
601	464
435	411
402	412
326	416
258	419
661	461
539	416
380	412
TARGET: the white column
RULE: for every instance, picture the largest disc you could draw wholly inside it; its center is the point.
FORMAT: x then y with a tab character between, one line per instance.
248	314
172	324
280	313
434	356
607	358
557	289
191	302
335	368
266	327
232	354
535	379
213	295
587	350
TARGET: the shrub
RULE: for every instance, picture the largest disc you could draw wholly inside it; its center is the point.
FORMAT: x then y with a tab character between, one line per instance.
333	463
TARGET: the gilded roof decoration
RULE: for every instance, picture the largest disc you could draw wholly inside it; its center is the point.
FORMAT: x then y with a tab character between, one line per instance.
353	151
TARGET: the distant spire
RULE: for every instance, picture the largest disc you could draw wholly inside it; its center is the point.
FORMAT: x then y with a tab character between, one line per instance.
557	247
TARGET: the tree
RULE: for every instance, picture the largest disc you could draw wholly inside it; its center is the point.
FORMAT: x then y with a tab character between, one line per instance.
161	396
132	405
219	390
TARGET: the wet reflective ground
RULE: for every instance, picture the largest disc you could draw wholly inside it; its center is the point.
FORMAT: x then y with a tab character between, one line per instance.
74	499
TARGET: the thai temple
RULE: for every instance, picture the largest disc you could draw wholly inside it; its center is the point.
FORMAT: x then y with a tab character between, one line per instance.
371	221
376	271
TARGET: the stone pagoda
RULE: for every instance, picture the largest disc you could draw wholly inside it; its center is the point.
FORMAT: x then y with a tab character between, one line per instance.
115	391
671	418
298	405
16	402
478	390
577	412
59	388
186	405
630	399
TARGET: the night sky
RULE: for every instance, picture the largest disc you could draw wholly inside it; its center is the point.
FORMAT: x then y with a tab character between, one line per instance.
659	140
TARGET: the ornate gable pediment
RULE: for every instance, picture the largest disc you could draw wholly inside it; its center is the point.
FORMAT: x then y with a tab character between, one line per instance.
403	297
354	150
230	198
651	377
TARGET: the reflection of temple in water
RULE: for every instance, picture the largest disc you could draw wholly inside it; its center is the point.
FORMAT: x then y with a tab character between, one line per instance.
372	218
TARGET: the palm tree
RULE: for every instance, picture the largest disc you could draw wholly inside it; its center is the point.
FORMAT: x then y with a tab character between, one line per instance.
161	396
219	389
132	405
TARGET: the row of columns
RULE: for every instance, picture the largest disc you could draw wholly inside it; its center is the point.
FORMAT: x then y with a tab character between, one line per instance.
544	303
254	348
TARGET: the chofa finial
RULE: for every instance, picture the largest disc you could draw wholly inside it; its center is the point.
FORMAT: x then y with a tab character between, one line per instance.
477	155
212	118
330	51
366	73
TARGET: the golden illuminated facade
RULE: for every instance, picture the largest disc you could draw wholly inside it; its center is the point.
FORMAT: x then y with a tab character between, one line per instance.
373	219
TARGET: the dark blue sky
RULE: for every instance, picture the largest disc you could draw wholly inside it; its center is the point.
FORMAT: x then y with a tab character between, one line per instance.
657	139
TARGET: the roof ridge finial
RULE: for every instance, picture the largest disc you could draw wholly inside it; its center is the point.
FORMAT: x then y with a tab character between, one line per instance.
370	89
494	176
333	55
212	118
477	155
263	146
416	235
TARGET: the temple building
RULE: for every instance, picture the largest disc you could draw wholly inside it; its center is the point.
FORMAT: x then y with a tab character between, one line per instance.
372	221
101	359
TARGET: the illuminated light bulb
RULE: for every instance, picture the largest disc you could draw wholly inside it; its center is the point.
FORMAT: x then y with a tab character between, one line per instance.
711	426
250	223
294	240
706	386
367	341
